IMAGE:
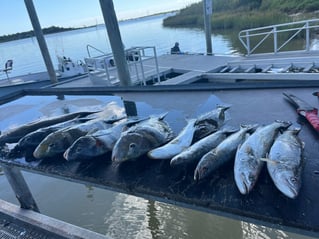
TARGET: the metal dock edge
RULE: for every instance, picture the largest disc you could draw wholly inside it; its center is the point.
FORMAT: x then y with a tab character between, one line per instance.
21	223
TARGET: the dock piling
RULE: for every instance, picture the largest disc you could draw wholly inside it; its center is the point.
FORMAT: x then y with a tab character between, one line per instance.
20	188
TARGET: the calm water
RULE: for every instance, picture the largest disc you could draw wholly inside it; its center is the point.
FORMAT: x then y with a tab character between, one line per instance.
115	214
27	56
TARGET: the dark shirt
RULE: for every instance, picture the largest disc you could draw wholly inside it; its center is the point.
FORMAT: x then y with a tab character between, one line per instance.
175	50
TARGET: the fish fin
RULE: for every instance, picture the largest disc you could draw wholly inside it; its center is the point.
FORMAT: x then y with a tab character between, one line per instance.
114	119
285	124
134	121
223	107
162	116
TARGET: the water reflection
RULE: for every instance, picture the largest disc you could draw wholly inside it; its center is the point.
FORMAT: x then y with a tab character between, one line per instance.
132	217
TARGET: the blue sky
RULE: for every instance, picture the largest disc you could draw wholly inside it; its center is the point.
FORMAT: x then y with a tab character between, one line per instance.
76	13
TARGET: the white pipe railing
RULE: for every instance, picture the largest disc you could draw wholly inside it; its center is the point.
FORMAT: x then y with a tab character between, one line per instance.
295	28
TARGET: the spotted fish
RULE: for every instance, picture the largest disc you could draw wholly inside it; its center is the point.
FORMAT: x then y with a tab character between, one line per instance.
285	162
248	163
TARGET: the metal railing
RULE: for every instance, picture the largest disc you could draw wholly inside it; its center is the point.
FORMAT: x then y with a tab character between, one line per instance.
253	39
102	68
89	48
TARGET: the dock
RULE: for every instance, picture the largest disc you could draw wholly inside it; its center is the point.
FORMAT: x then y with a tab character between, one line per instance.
158	181
189	69
16	222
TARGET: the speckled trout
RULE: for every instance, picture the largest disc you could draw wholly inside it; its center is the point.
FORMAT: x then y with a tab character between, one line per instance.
201	147
195	130
57	142
177	145
223	153
285	162
248	163
141	138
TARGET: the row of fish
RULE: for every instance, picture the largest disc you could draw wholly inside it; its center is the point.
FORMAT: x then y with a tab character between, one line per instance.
202	141
89	134
251	146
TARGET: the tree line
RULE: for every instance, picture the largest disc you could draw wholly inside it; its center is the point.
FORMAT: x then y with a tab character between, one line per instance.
22	35
243	14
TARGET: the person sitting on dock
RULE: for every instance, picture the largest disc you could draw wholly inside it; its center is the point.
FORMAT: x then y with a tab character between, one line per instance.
175	49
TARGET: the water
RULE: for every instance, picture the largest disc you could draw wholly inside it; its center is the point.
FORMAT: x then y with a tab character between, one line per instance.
27	57
115	214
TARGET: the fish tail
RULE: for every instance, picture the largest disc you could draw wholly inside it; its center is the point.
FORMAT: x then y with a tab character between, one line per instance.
284	124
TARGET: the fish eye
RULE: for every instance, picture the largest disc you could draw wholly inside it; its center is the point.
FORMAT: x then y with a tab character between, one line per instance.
293	179
52	145
132	145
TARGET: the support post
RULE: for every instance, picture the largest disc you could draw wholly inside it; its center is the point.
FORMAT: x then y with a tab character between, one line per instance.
208	11
116	43
42	44
20	188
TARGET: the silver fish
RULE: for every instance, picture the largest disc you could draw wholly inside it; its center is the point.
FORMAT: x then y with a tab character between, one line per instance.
57	142
98	143
223	153
285	161
201	147
30	141
177	145
248	163
15	134
141	138
209	122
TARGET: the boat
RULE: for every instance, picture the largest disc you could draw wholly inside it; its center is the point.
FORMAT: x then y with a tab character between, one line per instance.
68	68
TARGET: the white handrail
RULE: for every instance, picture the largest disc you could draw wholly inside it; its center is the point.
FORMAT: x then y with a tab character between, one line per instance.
295	28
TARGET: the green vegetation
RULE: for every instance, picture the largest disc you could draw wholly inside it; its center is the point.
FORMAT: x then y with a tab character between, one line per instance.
243	14
22	35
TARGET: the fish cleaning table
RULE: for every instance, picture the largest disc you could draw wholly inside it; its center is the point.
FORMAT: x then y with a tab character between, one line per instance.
157	180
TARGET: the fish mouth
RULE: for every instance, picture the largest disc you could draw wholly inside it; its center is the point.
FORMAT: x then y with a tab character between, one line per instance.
200	173
243	184
196	175
289	188
38	153
66	155
173	162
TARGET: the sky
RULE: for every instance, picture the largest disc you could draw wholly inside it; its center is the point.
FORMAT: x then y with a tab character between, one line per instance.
77	13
